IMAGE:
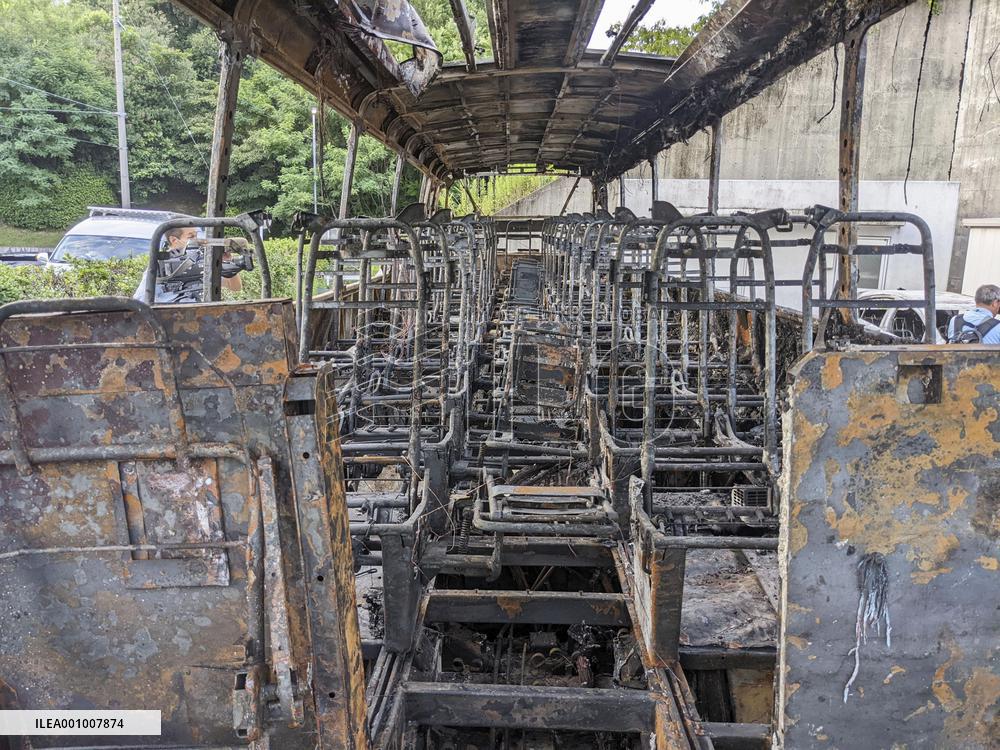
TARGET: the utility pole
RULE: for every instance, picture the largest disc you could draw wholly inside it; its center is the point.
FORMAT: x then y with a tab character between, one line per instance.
315	188
120	99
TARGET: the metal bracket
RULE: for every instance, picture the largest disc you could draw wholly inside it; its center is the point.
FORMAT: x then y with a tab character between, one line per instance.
276	597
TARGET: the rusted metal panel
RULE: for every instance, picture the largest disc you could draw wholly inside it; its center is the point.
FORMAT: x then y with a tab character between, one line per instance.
163	505
138	570
336	666
890	520
526	706
174	623
548	607
282	658
659	586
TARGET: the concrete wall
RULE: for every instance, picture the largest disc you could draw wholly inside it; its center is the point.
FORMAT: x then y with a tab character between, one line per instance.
935	202
786	139
982	259
976	159
549	199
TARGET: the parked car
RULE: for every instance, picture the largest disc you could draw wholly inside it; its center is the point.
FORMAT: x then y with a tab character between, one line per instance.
908	323
107	234
19	256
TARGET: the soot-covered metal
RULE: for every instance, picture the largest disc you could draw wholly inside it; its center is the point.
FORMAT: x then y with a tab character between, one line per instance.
601	492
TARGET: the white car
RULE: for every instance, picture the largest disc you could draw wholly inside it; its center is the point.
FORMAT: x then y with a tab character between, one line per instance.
107	234
908	323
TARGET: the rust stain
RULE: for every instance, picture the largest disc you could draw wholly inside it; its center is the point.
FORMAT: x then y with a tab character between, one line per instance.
228	360
870	415
798	641
894	670
807	436
988	563
511	606
832	374
259	325
753	695
186	324
879	527
798	534
831	467
790	689
977	723
939	686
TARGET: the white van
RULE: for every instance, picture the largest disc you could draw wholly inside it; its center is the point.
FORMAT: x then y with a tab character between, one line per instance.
107	234
908	322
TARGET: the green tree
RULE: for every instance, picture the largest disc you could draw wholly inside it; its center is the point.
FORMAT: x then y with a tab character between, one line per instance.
57	94
660	38
170	91
58	139
440	23
41	136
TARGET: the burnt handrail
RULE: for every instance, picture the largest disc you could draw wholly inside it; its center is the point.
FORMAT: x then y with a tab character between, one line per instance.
246	222
320	228
824	219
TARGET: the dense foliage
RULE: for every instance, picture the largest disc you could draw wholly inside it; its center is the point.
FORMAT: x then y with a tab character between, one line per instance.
57	127
58	138
117	278
47	138
120	278
491	194
660	38
77	188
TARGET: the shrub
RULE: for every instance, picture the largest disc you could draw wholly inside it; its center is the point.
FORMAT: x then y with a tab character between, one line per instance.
63	205
281	262
120	278
110	278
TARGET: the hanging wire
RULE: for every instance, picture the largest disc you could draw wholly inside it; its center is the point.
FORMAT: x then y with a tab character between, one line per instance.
57	111
836	77
66	137
57	96
873	608
152	65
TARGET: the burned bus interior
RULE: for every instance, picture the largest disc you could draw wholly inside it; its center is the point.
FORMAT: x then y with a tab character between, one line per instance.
549	482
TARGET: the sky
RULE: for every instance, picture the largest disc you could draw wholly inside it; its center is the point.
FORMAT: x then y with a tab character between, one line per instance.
675	12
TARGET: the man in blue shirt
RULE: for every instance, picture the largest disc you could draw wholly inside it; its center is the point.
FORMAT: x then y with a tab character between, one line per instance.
987	306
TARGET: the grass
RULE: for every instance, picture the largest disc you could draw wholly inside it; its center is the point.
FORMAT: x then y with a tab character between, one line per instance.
15	237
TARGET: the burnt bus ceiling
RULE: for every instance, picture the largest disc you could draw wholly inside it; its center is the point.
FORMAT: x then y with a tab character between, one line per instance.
542	99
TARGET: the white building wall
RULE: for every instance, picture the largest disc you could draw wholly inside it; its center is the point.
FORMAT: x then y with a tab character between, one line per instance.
780	150
935	202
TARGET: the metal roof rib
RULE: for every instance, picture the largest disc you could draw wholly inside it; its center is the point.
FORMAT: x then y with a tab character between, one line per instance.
544	99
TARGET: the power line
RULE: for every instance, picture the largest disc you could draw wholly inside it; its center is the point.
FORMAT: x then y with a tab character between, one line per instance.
65	137
57	96
55	111
163	83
